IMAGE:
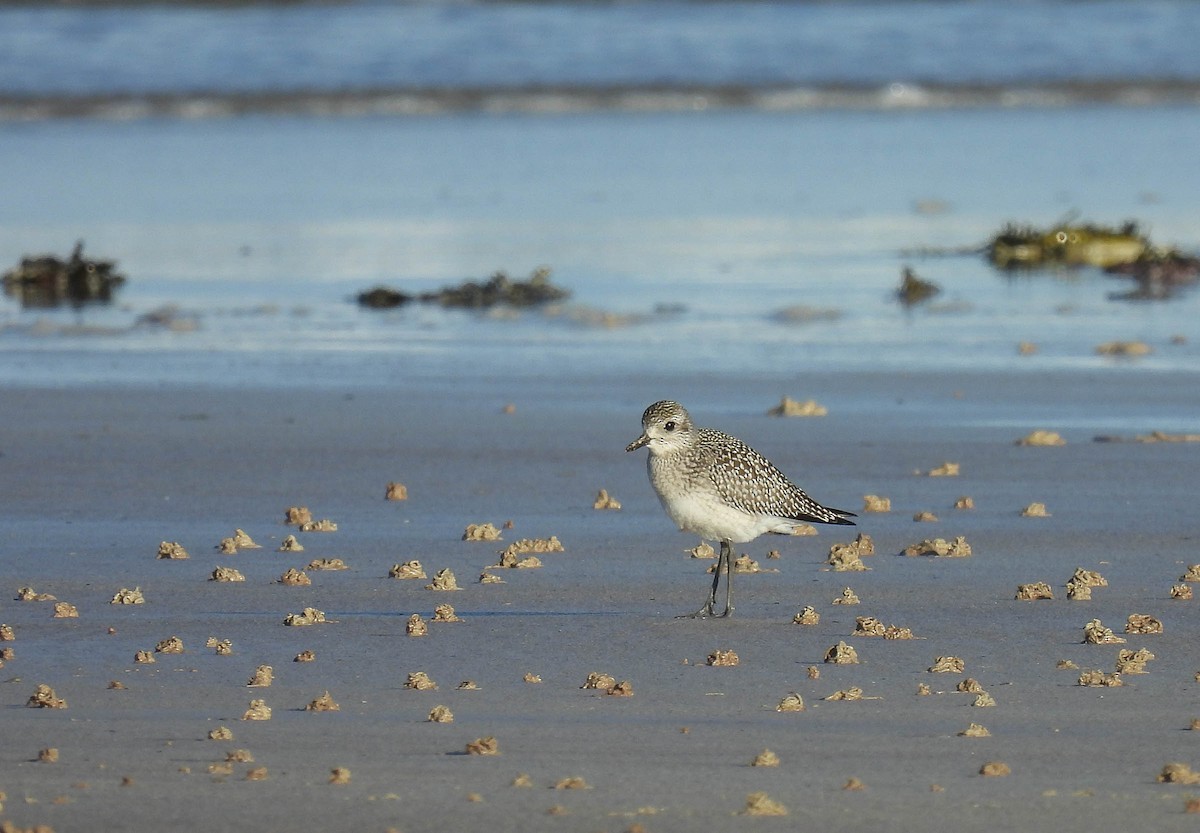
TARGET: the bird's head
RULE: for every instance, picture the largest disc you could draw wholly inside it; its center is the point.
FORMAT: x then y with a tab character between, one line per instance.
666	428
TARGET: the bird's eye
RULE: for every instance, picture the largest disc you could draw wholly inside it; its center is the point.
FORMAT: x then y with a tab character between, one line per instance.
670	425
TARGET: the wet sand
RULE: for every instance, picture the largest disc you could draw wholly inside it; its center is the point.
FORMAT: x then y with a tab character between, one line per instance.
94	479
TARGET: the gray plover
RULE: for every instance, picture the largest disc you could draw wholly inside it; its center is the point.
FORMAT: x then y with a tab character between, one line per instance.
721	489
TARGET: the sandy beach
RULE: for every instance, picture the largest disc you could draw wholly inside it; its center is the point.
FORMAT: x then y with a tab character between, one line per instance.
95	478
730	193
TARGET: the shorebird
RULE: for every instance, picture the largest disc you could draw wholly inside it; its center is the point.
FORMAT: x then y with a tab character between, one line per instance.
721	489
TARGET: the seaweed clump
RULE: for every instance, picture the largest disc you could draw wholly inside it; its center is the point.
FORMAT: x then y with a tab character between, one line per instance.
1066	244
914	289
46	281
1124	251
497	290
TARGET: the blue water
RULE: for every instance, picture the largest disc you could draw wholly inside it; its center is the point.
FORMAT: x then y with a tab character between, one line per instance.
685	233
53	51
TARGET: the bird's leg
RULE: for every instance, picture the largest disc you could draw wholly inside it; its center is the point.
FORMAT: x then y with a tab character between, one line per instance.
707	610
727	552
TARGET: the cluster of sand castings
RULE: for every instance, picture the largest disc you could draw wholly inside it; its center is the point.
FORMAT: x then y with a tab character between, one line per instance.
221	647
257	710
875	503
807	616
481	532
852	693
1041	437
1181	591
509	556
408	570
318	564
226	574
848	597
1124	348
995	769
416	626
1080	584
1143	623
760	804
324	703
624	688
445	613
420	681
1034	591
608	684
170	645
599	680
765	758
745	564
975	731
443	580
308	616
290	543
395	491
1094	633
1178	773
483	746
947	665
721	657
958	548
295	578
44	697
1035	510
841	654
297	516
125	596
870	626
606	501
946	469
792	702
65	610
970	685
301	518
172	549
28	594
240	540
925	517
1133	662
440	714
573	782
848	557
789	407
263	676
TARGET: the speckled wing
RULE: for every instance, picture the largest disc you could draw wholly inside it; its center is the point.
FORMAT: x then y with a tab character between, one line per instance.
746	479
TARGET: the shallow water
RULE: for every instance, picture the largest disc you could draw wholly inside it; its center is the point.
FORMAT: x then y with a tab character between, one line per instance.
260	232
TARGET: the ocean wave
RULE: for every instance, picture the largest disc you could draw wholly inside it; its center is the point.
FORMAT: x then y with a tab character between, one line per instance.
415	102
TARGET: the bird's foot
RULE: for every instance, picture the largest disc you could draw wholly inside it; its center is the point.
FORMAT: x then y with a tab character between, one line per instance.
703	613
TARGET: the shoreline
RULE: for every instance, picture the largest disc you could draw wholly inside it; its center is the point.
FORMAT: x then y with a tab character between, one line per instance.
548	101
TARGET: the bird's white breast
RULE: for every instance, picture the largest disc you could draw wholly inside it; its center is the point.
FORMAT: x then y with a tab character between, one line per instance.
690	498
